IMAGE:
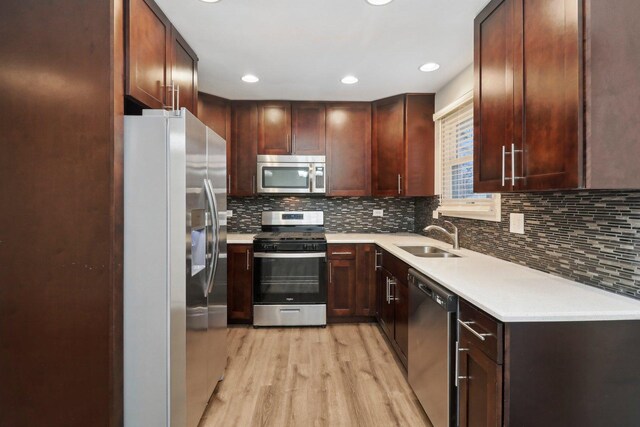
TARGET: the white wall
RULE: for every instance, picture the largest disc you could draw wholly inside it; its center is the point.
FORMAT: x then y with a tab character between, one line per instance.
455	88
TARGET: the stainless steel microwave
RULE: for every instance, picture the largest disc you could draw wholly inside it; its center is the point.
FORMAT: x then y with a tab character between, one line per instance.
292	174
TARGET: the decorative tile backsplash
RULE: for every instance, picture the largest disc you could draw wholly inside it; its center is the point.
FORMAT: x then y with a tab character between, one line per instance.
592	237
341	214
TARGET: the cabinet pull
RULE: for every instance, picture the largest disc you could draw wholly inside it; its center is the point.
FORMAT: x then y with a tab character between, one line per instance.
377	266
340	253
330	281
293	145
229	184
473	331
392	292
388	287
504	153
513	163
177	97
399	184
248	266
458	350
289	143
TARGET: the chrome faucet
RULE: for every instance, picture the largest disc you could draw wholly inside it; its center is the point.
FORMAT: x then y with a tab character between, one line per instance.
453	236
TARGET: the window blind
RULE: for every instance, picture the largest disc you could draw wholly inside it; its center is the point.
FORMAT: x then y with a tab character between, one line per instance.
456	136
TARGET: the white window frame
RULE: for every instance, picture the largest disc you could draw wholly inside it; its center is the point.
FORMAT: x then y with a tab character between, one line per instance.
482	209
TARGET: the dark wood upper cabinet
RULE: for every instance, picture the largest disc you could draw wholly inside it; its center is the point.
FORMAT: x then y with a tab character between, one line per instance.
240	283
215	112
308	128
403	146
184	72
148	53
274	128
158	60
348	138
243	148
528	96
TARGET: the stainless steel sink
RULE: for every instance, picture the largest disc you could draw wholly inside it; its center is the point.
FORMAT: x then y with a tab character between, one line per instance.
428	252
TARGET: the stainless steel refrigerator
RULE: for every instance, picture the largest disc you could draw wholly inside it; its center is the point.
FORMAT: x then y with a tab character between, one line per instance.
175	268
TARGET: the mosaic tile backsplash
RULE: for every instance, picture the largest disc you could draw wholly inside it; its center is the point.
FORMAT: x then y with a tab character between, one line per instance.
592	237
341	214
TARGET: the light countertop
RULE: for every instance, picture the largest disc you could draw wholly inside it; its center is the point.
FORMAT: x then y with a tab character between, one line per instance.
508	291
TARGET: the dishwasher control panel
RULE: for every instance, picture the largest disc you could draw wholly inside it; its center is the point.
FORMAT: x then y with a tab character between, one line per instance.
442	296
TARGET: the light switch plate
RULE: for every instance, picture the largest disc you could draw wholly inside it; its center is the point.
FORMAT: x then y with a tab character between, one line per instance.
378	212
516	223
435	214
229	213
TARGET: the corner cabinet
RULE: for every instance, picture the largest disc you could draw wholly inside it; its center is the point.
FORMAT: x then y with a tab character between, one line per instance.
528	104
160	68
351	292
240	283
403	150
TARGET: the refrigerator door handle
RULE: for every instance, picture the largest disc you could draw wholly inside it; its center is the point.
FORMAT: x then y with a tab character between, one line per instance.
215	230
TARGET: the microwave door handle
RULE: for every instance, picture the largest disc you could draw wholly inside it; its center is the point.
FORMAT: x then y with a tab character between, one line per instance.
311	176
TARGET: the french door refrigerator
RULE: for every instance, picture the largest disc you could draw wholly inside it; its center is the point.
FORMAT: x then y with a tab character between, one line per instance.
175	268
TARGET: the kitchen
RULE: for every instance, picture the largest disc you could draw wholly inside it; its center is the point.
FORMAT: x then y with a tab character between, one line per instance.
408	213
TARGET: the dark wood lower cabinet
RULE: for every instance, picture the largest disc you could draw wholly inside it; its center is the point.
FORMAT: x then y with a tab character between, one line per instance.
239	283
393	303
480	388
547	373
341	293
366	280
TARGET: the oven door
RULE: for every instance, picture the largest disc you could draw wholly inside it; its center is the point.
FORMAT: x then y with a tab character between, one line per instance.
290	278
284	178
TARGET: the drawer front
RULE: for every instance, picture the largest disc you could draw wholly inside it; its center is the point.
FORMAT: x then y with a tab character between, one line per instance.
480	330
342	251
395	266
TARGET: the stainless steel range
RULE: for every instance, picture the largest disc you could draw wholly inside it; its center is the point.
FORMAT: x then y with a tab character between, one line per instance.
290	269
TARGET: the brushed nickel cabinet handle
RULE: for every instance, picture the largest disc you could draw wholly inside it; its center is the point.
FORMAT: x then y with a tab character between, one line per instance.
330	281
399	184
473	331
248	266
341	253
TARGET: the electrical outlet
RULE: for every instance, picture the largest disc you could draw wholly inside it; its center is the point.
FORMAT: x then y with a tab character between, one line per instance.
229	213
378	212
516	223
435	214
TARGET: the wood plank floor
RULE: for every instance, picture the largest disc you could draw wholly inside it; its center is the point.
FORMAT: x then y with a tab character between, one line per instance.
344	375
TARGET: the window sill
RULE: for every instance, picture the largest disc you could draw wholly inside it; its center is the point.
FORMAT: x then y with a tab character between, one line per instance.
481	213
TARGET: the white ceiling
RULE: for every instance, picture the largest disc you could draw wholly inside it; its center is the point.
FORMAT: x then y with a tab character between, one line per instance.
300	49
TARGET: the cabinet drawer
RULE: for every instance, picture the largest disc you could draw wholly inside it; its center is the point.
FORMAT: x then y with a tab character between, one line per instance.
480	330
395	266
342	251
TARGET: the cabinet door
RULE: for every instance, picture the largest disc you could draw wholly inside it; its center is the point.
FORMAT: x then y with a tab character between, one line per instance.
401	300
184	73
419	163
308	128
548	113
148	41
274	128
493	97
366	280
342	288
388	146
240	282
244	147
349	149
480	388
387	311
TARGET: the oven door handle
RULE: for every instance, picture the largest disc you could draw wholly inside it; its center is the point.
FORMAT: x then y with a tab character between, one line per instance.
289	254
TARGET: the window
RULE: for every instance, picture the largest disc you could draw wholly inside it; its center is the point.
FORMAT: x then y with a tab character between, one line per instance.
454	157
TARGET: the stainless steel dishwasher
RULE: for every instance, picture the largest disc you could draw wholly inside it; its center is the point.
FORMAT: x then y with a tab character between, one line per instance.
432	336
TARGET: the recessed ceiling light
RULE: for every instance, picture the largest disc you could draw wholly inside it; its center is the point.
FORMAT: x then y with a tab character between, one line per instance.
429	66
249	78
349	80
210	1
378	2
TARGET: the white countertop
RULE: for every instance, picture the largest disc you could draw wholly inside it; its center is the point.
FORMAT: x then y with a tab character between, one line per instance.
507	291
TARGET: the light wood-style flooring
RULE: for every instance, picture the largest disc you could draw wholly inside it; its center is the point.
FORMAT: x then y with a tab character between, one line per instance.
344	375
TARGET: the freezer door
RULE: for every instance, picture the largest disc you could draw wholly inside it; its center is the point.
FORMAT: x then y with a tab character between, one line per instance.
217	293
199	253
